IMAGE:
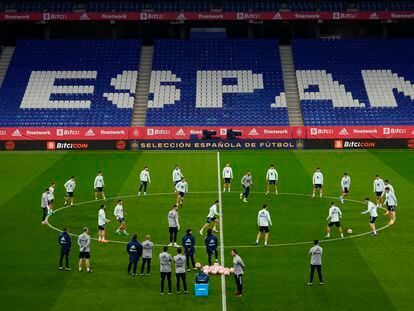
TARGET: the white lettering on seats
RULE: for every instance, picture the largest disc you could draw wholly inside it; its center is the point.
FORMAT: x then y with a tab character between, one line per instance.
380	85
328	89
163	94
210	87
41	86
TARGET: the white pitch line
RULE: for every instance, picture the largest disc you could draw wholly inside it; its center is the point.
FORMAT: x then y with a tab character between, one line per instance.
221	235
223	278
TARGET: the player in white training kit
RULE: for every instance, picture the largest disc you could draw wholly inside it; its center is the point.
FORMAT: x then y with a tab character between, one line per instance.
144	178
173	225
391	202
334	219
99	184
70	187
119	215
227	176
51	198
272	178
373	215
317	180
345	185
387	184
378	189
211	217
176	176
182	189
102	221
263	221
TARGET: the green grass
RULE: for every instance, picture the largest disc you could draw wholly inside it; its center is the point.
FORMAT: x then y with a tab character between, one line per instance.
361	273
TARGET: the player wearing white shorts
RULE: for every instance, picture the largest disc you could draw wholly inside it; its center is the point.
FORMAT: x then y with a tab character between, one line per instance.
70	187
144	178
378	189
176	176
345	185
373	215
391	202
51	198
317	181
182	189
98	185
333	219
272	178
211	217
227	176
119	215
263	221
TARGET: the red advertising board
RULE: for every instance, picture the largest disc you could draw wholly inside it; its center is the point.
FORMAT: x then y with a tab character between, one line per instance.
208	16
64	133
187	132
358	132
247	132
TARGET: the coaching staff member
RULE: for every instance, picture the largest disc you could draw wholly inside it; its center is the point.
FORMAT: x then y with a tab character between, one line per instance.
134	249
65	243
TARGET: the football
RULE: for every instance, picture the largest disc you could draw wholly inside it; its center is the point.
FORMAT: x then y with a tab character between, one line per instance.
349	231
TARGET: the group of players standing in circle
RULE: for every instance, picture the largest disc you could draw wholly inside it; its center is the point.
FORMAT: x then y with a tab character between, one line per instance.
381	188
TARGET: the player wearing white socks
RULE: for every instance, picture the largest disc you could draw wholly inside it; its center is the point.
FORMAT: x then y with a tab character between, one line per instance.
99	184
227	176
373	215
51	198
387	184
119	215
176	176
317	180
144	178
334	220
378	189
102	221
391	202
272	178
263	221
345	185
211	217
182	189
70	187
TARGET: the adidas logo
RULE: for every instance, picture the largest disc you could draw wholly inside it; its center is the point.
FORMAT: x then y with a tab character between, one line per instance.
373	16
277	16
180	132
90	133
181	16
253	132
343	132
16	133
84	17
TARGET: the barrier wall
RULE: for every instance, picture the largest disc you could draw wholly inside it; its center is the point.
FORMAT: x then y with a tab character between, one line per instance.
190	138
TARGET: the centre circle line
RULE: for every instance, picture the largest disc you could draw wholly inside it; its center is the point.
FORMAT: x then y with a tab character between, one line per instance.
215	192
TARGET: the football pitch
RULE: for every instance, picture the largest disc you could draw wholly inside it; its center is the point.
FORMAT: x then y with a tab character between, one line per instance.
361	272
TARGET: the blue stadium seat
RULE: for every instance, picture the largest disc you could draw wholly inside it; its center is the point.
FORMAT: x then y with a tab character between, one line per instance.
179	63
107	67
345	60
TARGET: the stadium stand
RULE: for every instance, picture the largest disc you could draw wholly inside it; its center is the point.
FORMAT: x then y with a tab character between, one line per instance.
70	83
216	82
355	81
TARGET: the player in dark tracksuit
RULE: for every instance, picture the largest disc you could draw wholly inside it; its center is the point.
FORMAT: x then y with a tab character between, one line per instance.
188	243
65	243
134	249
211	243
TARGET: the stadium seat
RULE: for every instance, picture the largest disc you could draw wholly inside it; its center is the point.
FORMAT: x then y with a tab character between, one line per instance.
216	82
355	81
70	83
